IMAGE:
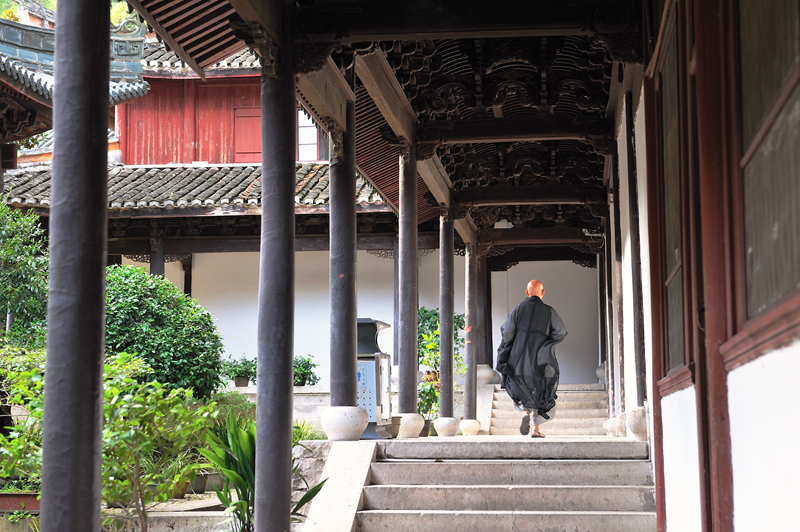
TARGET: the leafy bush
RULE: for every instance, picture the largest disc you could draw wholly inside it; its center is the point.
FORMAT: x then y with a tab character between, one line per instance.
244	367
305	430
234	454
304	372
234	403
24	263
428	339
147	424
148	315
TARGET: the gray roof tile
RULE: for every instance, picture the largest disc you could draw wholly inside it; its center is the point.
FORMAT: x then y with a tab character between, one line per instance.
135	187
157	57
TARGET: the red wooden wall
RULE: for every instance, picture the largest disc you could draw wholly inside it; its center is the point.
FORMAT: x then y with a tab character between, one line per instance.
181	121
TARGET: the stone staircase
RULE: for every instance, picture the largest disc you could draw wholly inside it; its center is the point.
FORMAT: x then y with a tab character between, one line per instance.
520	485
581	411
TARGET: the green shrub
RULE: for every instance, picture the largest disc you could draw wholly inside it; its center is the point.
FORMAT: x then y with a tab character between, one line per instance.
24	264
148	315
304	372
305	430
244	367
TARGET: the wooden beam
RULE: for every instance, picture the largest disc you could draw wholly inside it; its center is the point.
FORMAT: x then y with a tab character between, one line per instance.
384	89
400	20
382	86
266	13
185	245
520	236
327	92
536	254
488	130
530	195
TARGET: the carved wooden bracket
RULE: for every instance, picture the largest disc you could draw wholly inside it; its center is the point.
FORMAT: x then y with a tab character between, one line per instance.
257	38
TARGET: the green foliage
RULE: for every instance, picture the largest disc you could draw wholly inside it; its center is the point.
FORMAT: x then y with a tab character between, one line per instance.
305	430
148	315
28	143
428	339
304	372
234	403
119	10
147	424
235	457
24	264
428	351
428	396
243	367
234	454
22	383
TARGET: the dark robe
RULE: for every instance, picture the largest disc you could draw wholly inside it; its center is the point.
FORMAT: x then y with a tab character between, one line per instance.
526	357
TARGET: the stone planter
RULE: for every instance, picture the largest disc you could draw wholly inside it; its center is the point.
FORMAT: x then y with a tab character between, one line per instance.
426	429
13	502
215	480
241	382
198	485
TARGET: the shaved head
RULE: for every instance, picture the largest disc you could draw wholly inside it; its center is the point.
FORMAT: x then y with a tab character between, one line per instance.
535	288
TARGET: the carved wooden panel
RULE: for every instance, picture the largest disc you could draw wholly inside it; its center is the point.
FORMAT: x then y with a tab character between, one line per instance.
772	218
769	52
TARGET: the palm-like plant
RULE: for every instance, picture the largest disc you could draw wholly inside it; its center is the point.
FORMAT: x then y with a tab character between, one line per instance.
234	454
236	460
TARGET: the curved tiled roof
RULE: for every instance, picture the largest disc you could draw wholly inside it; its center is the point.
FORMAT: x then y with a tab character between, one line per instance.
27	60
181	186
157	57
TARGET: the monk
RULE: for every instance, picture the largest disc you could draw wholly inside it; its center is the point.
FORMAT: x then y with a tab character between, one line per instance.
526	358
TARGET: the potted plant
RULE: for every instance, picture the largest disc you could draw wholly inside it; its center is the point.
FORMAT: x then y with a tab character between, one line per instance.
241	371
19	495
304	372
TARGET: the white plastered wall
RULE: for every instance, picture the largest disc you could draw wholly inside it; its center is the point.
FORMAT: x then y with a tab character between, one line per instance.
573	291
681	461
764	441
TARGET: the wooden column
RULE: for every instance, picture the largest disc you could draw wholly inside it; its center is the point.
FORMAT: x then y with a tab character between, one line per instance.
636	255
396	294
446	311
481	355
471	293
276	288
487	322
618	296
157	258
407	286
718	143
343	302
76	306
186	265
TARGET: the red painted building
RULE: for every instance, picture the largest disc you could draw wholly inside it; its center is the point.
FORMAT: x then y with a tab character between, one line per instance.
184	119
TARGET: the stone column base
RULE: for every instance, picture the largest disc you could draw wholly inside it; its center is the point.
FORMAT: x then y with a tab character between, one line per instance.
470	427
446	426
410	425
486	375
620	425
636	421
344	423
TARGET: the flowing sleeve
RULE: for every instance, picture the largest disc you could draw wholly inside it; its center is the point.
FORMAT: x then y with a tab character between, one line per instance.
559	331
508	331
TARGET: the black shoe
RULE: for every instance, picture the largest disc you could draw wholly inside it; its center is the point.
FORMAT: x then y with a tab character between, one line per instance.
525	426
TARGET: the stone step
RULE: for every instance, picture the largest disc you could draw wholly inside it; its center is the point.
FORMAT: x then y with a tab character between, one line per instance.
548	430
518	521
513	472
566	387
470	448
562	405
562	396
562	412
561	422
509	498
